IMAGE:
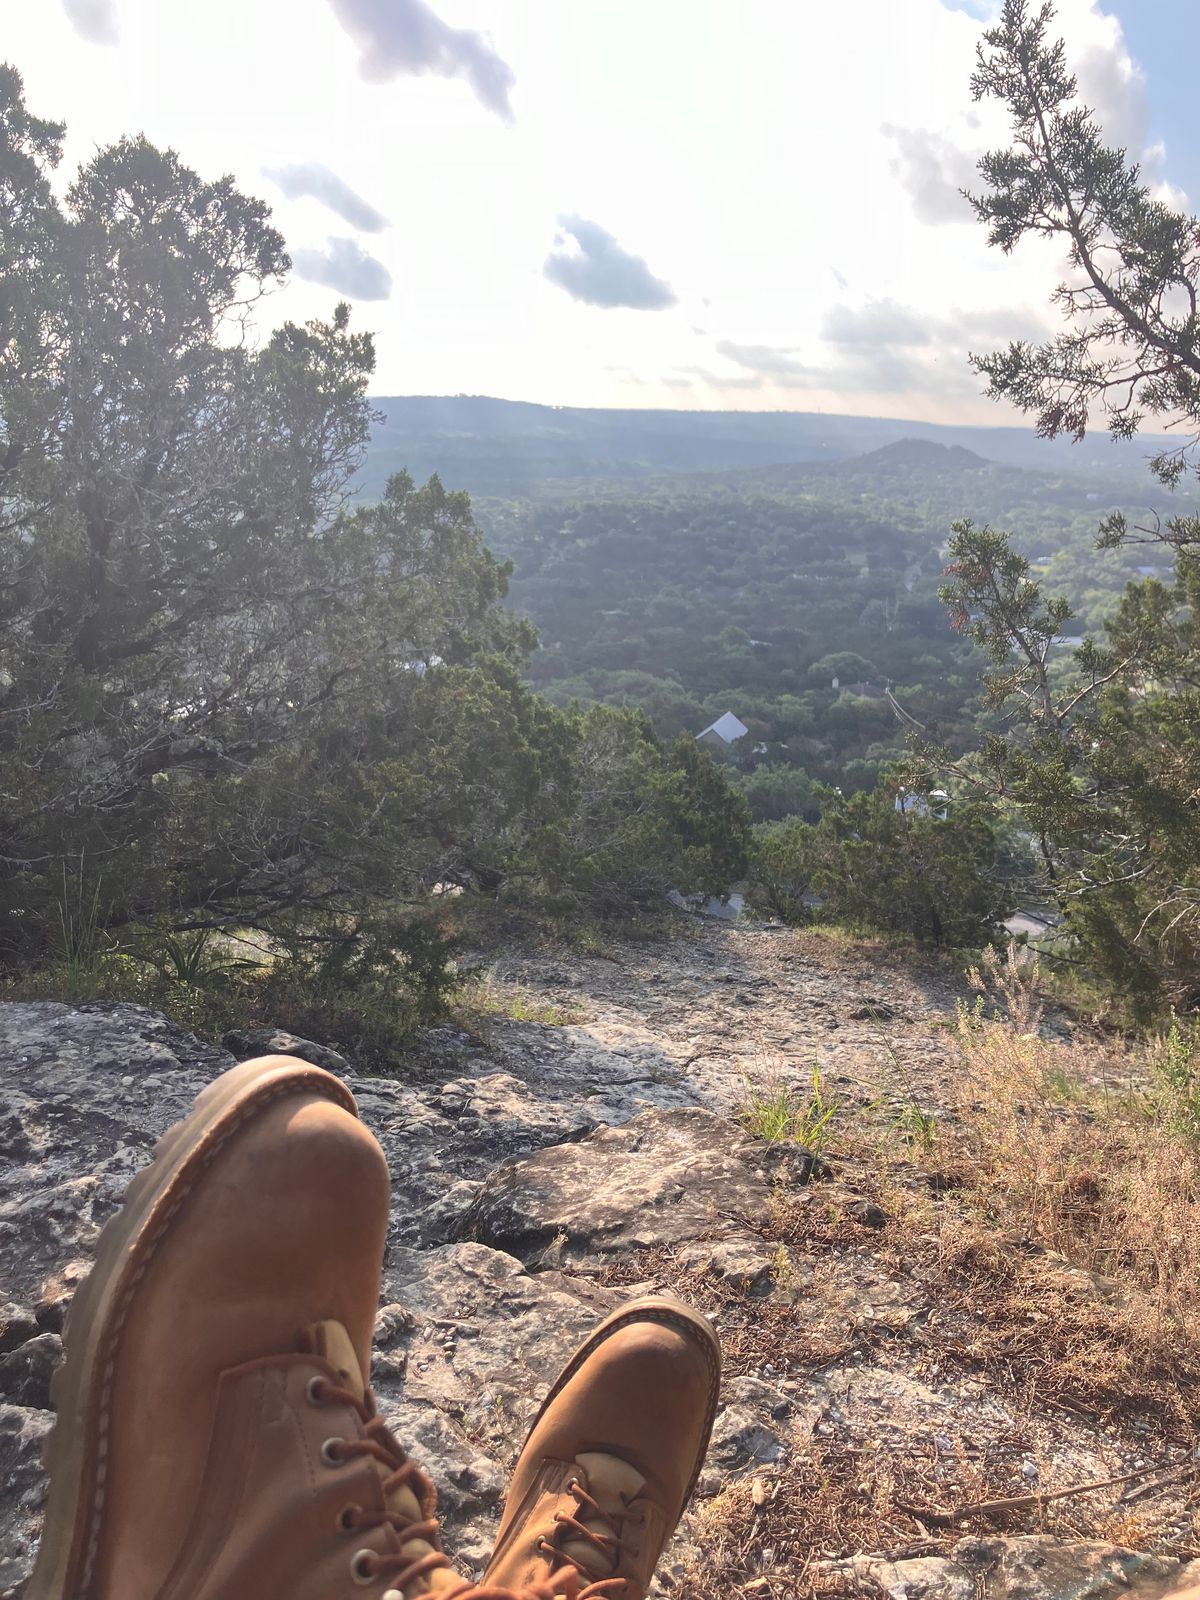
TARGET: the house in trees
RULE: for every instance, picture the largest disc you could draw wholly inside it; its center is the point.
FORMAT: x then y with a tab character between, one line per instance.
720	736
935	804
864	690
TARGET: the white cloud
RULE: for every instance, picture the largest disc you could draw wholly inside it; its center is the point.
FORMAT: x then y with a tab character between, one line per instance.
346	267
1112	84
878	322
780	367
935	171
93	20
313	178
591	266
406	36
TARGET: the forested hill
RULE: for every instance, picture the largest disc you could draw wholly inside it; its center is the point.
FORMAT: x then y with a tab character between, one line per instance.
794	614
508	447
802	597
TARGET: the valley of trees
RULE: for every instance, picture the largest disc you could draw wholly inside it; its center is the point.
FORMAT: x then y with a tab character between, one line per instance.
755	592
794	616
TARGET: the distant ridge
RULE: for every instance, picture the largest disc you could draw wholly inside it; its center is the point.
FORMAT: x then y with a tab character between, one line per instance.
926	455
508	447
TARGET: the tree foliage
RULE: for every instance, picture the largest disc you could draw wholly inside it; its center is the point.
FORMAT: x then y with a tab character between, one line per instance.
1103	763
228	694
1100	756
1129	347
872	863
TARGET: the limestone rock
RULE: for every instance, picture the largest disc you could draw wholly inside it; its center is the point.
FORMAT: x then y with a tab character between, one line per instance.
664	1178
22	1433
17	1323
244	1044
25	1372
89	1090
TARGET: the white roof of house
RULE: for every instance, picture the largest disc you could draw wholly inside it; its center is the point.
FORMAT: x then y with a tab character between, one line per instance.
727	727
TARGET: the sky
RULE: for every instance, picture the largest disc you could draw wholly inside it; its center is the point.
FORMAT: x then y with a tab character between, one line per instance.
702	204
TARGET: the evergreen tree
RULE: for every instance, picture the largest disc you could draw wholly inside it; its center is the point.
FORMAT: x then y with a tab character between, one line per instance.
228	695
1103	762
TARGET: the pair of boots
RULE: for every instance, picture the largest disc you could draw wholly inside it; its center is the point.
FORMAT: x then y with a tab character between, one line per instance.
216	1436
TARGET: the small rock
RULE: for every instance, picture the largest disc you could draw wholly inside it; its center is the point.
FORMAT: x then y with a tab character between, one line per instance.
742	1261
246	1043
392	1323
873	1011
25	1372
740	1437
867	1213
17	1323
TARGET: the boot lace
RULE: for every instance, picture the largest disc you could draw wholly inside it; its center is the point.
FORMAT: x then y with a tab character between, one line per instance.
563	1585
571	1581
400	1471
609	1545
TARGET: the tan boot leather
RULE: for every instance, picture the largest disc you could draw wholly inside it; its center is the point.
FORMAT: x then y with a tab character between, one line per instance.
613	1457
215	1437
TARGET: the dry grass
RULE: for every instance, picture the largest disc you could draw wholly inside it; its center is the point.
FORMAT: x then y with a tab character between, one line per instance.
773	1533
1023	1325
488	1000
1034	1327
794	1534
1081	1147
1048	1243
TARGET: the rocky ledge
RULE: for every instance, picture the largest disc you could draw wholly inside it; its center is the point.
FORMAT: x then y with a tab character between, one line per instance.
538	1180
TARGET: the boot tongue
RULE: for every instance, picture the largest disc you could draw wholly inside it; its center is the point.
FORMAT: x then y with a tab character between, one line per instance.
331	1342
612	1484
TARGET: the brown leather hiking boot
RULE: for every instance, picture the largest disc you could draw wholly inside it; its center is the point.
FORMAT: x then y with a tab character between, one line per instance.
612	1458
215	1437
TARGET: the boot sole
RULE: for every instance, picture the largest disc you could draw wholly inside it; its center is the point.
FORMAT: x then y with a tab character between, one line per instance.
76	1448
673	1314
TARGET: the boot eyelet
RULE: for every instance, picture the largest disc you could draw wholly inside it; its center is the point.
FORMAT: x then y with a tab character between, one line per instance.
314	1389
347	1518
362	1567
331	1453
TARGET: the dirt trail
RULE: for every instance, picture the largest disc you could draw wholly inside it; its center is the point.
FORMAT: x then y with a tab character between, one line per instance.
731	1007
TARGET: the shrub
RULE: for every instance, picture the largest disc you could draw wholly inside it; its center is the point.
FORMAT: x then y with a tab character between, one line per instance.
366	989
870	865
